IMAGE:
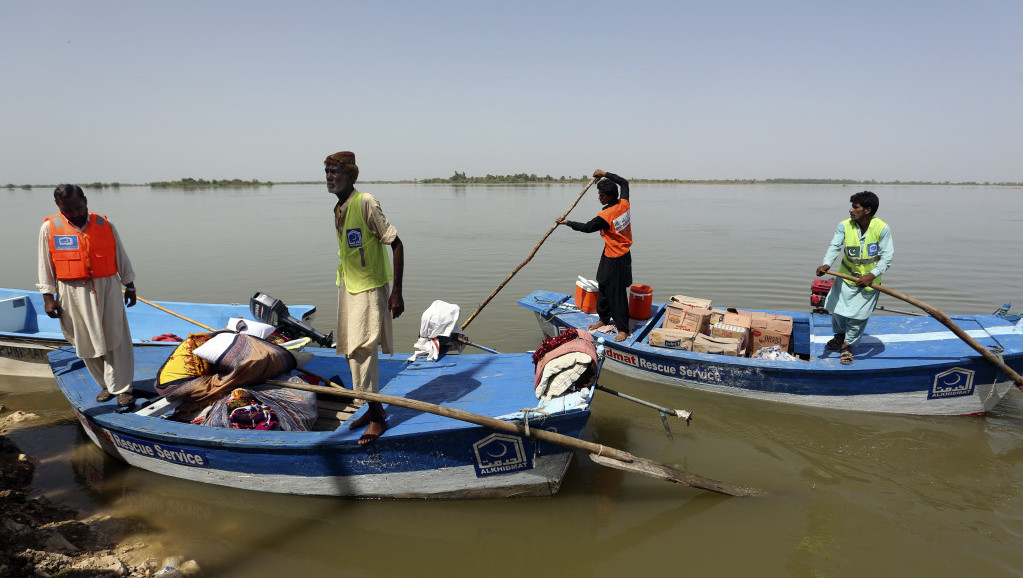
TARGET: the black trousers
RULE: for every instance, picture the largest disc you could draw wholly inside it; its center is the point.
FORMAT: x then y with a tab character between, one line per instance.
614	276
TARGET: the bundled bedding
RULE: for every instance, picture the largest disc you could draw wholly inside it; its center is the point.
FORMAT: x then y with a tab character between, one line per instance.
564	363
220	378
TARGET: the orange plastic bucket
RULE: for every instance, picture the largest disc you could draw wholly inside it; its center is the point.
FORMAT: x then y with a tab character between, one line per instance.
641	300
585	300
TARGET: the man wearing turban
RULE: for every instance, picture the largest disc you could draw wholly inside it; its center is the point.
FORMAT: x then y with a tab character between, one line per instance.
363	278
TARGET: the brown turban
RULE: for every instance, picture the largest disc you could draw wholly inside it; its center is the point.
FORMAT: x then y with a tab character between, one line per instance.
343	158
346	160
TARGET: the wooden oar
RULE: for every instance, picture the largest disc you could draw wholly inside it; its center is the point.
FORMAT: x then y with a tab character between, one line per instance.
601	454
680	413
947	322
178	315
523	264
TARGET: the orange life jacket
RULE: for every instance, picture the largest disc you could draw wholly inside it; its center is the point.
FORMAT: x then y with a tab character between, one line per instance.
617	237
85	254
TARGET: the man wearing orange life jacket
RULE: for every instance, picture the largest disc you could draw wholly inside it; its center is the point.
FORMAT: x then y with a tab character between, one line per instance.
82	265
614	273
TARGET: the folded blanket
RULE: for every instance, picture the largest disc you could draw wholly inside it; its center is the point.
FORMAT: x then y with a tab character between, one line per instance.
567	362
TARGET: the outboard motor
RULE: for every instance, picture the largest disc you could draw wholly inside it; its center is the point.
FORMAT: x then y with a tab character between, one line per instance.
273	311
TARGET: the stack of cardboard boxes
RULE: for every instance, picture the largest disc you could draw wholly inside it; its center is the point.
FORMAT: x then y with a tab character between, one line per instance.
691	324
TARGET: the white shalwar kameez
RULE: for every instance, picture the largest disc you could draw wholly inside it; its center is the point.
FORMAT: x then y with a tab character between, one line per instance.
363	319
93	316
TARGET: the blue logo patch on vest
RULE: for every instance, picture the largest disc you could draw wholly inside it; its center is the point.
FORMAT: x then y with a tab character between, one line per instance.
872	249
354	237
65	242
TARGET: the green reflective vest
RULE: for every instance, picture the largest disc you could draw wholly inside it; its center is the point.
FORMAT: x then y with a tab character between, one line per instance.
364	263
859	259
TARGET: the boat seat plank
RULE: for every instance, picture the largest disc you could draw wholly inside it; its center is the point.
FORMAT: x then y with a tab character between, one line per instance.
331	414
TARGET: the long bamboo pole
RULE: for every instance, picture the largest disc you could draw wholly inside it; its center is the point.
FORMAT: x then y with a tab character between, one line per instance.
947	322
178	315
523	264
601	454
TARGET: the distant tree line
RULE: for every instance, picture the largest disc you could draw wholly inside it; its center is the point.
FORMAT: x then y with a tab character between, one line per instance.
520	178
83	185
190	183
523	178
461	178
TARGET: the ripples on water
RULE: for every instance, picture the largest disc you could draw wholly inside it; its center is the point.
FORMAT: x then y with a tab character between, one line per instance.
844	494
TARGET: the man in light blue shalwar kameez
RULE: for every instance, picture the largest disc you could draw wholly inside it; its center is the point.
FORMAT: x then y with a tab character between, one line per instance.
866	246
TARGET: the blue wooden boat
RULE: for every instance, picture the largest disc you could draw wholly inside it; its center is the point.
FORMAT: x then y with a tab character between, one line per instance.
904	364
419	456
27	333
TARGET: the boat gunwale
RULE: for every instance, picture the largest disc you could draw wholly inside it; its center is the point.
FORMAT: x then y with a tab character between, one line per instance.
129	423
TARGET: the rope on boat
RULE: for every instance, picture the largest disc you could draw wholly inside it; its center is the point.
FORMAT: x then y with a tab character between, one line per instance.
555	304
525	416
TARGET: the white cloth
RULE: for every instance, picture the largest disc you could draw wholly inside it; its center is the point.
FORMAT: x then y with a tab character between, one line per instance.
439	320
773	352
115	370
250	327
216	347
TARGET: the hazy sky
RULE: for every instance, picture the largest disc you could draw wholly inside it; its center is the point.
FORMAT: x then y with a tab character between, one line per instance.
139	91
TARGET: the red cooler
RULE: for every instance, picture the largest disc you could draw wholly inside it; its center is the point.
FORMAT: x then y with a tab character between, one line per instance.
641	300
585	299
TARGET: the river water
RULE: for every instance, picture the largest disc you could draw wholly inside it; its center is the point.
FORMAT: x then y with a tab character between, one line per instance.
843	493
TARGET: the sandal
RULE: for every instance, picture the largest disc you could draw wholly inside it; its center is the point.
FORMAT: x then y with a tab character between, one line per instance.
847	357
836	342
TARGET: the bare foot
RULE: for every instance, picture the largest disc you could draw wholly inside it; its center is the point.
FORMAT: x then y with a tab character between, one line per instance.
363	421
375	429
622	336
595	326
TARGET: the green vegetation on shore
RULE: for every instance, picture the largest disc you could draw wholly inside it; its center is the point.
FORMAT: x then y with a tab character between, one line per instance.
187	183
460	178
522	178
83	185
190	183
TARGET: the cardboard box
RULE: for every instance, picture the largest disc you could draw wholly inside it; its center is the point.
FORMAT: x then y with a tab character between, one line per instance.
690	302
716	315
696	320
672	338
768	330
723	330
738	319
674	315
743	320
721	345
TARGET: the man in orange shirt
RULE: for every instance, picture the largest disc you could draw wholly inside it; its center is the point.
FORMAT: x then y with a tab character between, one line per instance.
614	273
